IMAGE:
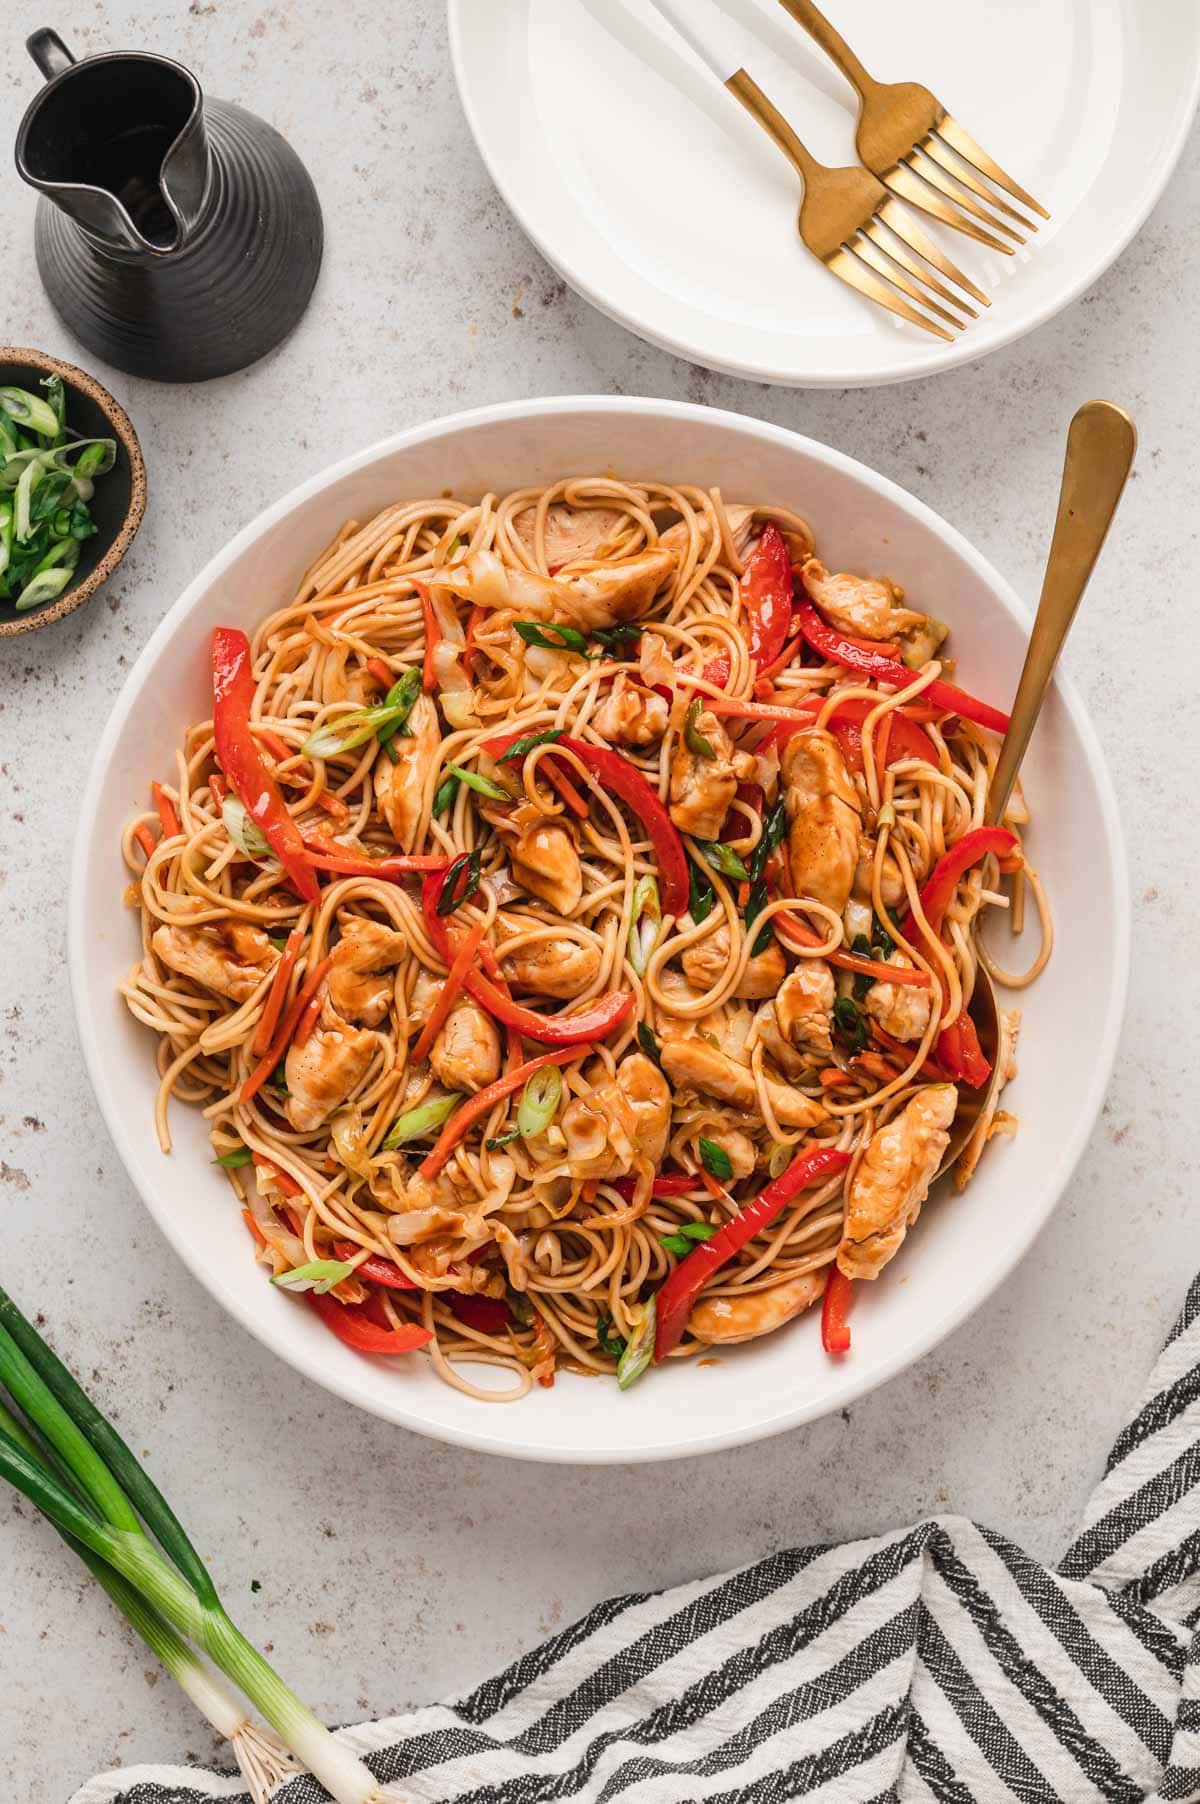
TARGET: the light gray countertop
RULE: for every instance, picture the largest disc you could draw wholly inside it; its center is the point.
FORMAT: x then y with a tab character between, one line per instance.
384	1570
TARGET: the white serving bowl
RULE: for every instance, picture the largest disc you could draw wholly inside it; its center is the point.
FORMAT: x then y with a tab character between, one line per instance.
962	1247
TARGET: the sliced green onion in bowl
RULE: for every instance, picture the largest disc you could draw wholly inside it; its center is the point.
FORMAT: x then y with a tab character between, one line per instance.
246	836
44	587
715	1159
640	1349
644	937
319	1274
693	738
30	411
539	1102
418	1123
483	786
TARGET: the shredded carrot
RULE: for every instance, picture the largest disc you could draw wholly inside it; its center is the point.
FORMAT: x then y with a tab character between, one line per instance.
462	962
764	689
144	838
876	1066
379	670
899	1050
770	671
1011	866
216	788
254	1228
333	805
886	649
288	1026
588	1193
558	779
308	1020
710	1183
479	1104
268	1020
743	894
432	636
278	748
833	1078
790	929
168	818
284	1182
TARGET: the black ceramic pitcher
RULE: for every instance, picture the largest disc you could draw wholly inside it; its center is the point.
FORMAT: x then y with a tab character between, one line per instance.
177	239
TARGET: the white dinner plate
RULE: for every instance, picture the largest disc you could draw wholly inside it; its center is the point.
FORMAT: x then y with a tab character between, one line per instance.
655	195
961	1248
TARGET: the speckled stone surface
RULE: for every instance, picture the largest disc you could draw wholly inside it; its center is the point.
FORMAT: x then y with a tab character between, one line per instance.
379	1569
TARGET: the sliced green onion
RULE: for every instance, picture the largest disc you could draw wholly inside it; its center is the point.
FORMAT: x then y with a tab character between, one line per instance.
567	638
539	1102
417	1123
715	1159
483	786
774	828
233	1161
445	795
460	882
319	1274
886	816
6	534
500	1140
850	1024
349	731
863	947
640	1350
97	458
723	858
56	400
781	1158
643	939
648	1041
756	901
608	1342
30	411
613	640
520	747
245	834
694	739
686	1238
31	475
44	587
401	699
701	894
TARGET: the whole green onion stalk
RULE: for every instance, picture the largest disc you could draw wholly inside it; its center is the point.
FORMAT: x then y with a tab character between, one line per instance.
73	1465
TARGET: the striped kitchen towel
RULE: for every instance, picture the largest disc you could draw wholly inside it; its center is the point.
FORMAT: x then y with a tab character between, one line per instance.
939	1663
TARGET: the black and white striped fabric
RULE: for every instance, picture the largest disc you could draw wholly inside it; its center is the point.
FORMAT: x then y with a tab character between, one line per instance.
939	1665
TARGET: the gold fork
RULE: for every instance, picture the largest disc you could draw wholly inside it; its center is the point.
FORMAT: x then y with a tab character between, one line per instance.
918	150
847	218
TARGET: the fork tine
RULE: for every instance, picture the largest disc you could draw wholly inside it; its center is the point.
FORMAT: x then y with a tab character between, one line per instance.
936	176
912	188
955	166
851	269
970	152
889	267
900	222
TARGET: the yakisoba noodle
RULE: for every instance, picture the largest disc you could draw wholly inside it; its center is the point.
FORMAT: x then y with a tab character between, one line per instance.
790	754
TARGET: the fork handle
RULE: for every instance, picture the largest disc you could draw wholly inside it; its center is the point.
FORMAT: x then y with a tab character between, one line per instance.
831	42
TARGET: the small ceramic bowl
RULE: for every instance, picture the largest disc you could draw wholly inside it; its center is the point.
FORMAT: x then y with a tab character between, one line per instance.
120	498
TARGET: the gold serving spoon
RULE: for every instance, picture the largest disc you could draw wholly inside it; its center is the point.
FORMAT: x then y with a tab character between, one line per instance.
1100	447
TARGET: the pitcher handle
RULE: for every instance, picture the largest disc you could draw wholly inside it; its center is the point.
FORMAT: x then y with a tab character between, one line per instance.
49	52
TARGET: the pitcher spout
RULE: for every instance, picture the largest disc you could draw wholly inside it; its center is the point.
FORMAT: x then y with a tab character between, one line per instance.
118	143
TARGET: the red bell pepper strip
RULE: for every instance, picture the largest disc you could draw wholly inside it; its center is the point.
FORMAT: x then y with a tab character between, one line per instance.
835	1329
767	595
374	1269
958	1050
593	1023
145	839
324	855
242	762
287	1028
672	1183
487	1315
381	672
555	775
464	958
838	649
356	1328
789	928
269	1019
482	1102
685	1283
716	672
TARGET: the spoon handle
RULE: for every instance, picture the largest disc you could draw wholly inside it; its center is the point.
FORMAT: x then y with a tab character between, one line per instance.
1100	447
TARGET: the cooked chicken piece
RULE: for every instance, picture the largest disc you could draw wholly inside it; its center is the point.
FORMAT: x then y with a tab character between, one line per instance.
359	985
796	1027
442	1211
823	808
570	532
992	1120
901	1009
891	883
426	988
631	715
466	1053
231	958
551	967
719	1321
622	591
859	604
321	1074
703	788
705	963
923	642
693	1063
646	1091
893	1181
858	917
741	1151
545	862
741	530
400	787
